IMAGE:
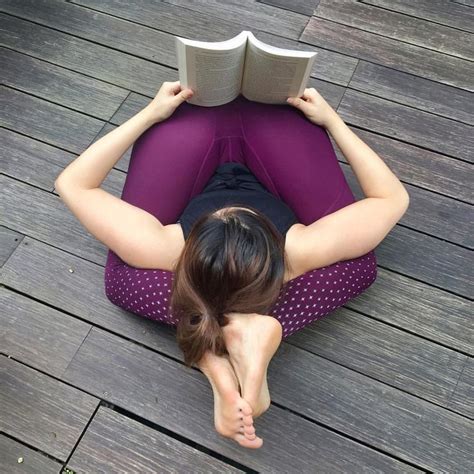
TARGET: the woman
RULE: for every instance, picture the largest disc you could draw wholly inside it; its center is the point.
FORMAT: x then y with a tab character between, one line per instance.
234	209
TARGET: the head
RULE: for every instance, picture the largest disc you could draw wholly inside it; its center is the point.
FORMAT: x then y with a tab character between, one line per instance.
233	261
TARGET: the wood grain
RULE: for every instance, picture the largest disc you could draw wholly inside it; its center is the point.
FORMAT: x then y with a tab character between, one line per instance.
38	335
134	447
389	52
32	461
42	412
146	383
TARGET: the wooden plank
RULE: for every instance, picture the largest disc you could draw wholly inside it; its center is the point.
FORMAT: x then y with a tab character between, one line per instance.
420	128
106	64
81	293
42	412
9	241
398	358
414	91
391	24
305	7
61	86
427	259
423	168
133	447
106	363
48	122
31	461
430	213
389	52
427	435
418	308
38	335
329	65
45	216
31	161
452	13
463	398
252	15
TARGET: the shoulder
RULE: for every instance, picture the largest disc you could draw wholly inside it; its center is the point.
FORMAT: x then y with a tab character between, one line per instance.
306	250
171	245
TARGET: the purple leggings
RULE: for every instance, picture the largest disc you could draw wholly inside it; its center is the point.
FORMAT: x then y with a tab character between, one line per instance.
293	158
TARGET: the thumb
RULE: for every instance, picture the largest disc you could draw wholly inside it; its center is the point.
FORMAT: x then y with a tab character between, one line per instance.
185	95
296	102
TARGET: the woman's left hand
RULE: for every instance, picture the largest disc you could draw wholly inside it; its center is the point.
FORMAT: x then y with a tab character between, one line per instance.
167	100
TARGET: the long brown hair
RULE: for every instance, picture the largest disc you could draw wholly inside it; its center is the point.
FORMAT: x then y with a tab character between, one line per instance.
233	261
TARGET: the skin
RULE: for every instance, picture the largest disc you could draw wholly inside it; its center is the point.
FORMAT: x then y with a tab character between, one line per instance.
239	381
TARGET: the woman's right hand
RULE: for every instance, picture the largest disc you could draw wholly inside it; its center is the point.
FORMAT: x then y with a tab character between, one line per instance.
314	106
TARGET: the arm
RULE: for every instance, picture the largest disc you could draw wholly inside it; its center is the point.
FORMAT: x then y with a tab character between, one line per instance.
135	235
357	228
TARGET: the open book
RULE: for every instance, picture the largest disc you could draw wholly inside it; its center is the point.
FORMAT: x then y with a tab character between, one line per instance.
218	72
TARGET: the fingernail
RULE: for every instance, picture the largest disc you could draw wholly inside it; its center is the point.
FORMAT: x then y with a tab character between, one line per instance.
289	100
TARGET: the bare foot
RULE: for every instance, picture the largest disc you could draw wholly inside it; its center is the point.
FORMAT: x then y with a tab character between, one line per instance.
251	340
232	414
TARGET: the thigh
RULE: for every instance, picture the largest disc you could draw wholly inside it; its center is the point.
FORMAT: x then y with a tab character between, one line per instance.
166	159
294	159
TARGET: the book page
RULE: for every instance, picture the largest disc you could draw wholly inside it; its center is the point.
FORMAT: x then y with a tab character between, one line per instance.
213	70
273	74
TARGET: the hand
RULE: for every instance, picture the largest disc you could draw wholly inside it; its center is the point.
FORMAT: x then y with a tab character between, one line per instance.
167	100
314	106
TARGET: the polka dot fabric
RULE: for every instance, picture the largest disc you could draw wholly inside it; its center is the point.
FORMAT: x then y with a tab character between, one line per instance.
301	301
292	158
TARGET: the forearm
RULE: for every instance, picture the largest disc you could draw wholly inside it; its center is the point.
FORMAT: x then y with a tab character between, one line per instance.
375	177
89	170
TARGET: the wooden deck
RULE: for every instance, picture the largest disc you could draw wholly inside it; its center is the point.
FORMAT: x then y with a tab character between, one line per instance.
384	384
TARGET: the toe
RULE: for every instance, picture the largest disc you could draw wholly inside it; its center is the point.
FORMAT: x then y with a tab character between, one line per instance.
247	420
249	430
248	443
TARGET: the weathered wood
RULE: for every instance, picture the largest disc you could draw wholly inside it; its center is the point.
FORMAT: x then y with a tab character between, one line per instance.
31	161
81	294
420	167
401	27
305	7
38	335
42	412
9	241
329	65
384	353
452	13
463	398
48	122
418	308
414	91
108	65
389	52
405	123
252	15
61	86
428	212
133	447
109	366
428	259
31	461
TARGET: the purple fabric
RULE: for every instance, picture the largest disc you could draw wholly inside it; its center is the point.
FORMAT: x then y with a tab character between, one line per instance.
293	158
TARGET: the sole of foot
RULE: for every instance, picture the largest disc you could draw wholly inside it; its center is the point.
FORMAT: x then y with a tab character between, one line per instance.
252	340
232	413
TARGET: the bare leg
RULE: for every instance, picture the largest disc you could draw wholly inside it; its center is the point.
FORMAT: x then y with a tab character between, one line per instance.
252	340
232	414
